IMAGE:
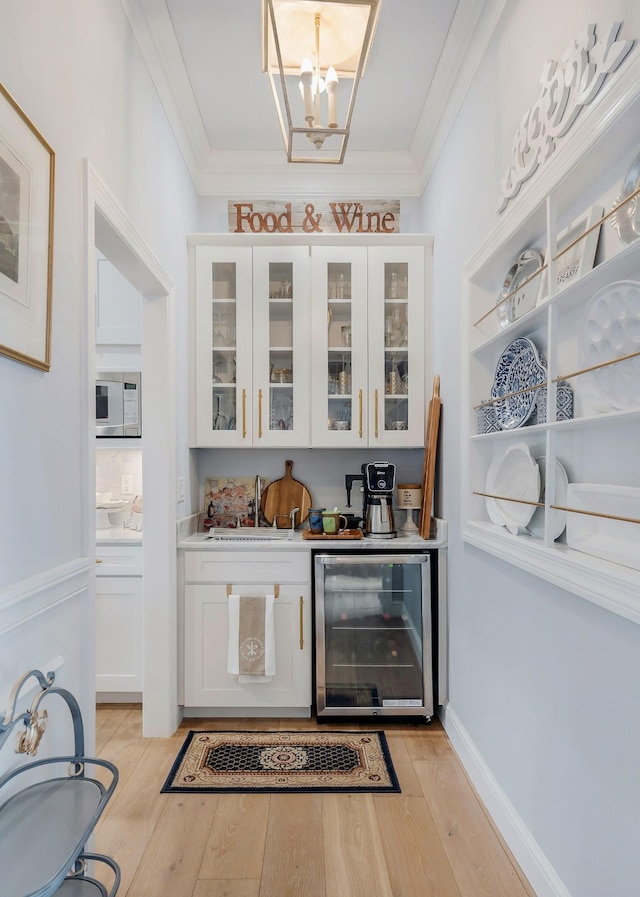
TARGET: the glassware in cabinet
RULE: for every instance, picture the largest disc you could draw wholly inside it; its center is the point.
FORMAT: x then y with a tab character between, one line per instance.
280	345
339	345
222	337
398	354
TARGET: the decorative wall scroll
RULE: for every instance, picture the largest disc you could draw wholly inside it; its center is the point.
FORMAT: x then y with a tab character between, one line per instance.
567	86
351	217
26	237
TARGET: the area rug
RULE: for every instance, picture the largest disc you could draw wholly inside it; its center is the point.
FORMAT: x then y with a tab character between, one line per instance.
270	762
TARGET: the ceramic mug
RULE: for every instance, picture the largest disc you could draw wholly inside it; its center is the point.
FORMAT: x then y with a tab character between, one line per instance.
333	523
315	520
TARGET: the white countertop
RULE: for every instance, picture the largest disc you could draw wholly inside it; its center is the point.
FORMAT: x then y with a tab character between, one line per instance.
402	542
118	535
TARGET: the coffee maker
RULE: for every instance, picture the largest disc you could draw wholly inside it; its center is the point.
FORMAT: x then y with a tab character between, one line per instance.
379	480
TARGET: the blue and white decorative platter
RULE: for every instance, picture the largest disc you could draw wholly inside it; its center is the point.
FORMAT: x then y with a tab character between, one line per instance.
520	367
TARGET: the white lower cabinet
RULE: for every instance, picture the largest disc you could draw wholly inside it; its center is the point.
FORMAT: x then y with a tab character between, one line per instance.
119	620
207	683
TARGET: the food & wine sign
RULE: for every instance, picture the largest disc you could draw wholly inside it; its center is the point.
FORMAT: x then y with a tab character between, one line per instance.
344	217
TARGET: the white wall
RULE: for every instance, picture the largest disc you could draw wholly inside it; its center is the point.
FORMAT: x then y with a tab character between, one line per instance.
76	71
543	686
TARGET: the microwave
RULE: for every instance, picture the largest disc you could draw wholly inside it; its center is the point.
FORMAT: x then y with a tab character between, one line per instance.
119	404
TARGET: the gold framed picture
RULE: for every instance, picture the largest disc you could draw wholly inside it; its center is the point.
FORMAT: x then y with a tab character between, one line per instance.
27	169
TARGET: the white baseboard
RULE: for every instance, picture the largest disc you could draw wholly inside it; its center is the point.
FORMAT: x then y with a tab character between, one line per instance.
118	697
247	712
540	873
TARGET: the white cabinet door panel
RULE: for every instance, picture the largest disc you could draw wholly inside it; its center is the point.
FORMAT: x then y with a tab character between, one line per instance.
119	634
207	683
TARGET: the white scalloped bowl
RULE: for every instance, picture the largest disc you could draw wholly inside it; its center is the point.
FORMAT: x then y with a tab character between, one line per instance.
515	476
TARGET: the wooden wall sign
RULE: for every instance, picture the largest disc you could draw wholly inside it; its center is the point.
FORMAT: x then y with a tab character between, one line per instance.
344	217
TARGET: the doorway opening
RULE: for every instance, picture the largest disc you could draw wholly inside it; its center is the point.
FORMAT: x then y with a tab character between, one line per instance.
110	234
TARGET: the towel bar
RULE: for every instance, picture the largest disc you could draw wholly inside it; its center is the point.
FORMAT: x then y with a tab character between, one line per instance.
276	590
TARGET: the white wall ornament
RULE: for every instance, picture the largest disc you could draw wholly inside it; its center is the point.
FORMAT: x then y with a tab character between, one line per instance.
567	87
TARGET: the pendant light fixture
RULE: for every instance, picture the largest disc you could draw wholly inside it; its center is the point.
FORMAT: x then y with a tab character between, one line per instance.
315	52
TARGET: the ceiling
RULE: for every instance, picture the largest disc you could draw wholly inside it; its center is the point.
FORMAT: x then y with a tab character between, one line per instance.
205	59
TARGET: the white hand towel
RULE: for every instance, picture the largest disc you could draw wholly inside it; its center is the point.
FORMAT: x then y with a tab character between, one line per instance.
251	644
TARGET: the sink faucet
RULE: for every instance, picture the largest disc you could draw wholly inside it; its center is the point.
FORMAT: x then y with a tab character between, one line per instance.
291	516
257	497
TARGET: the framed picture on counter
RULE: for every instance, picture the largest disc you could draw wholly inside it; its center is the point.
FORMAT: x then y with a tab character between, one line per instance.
27	169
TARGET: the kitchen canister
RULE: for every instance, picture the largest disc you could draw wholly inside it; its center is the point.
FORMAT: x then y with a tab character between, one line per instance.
564	403
487	418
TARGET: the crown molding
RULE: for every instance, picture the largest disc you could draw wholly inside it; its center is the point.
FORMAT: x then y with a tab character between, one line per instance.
472	28
261	174
218	173
157	42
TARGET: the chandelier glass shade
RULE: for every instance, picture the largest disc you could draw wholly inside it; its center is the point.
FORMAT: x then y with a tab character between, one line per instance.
315	52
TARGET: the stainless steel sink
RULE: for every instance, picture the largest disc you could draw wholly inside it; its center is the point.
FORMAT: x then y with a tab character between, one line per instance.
249	533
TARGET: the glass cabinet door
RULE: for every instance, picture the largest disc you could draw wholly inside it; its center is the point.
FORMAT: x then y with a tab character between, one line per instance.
373	631
223	346
281	346
339	346
397	346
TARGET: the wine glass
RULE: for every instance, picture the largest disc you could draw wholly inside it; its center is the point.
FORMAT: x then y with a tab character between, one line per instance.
220	419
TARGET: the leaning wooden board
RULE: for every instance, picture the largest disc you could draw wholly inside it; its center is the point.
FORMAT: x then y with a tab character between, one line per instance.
282	496
430	451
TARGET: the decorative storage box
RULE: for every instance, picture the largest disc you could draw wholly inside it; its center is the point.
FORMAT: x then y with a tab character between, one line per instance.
564	403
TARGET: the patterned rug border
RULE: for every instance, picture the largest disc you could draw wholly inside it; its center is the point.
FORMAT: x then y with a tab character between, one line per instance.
393	786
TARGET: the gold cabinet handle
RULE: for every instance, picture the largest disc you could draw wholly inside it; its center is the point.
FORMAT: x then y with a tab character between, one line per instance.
301	622
360	412
375	412
244	413
259	414
98	560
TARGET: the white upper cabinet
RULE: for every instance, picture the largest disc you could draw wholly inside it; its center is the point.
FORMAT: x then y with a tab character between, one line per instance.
118	307
251	378
309	342
339	347
369	345
280	346
222	332
399	360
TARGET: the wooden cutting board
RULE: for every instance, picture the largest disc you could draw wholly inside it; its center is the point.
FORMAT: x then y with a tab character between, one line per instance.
430	452
282	496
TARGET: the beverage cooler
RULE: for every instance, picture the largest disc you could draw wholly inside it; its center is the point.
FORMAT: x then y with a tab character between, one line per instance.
373	634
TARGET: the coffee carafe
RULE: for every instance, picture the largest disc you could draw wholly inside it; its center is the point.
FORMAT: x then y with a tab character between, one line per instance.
379	485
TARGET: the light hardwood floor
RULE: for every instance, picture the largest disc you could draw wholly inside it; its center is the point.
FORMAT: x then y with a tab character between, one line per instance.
433	840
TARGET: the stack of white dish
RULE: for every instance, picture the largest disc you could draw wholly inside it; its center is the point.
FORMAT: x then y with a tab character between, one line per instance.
517	475
557	519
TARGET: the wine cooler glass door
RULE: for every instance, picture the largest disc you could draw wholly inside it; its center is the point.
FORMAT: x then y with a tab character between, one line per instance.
373	635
